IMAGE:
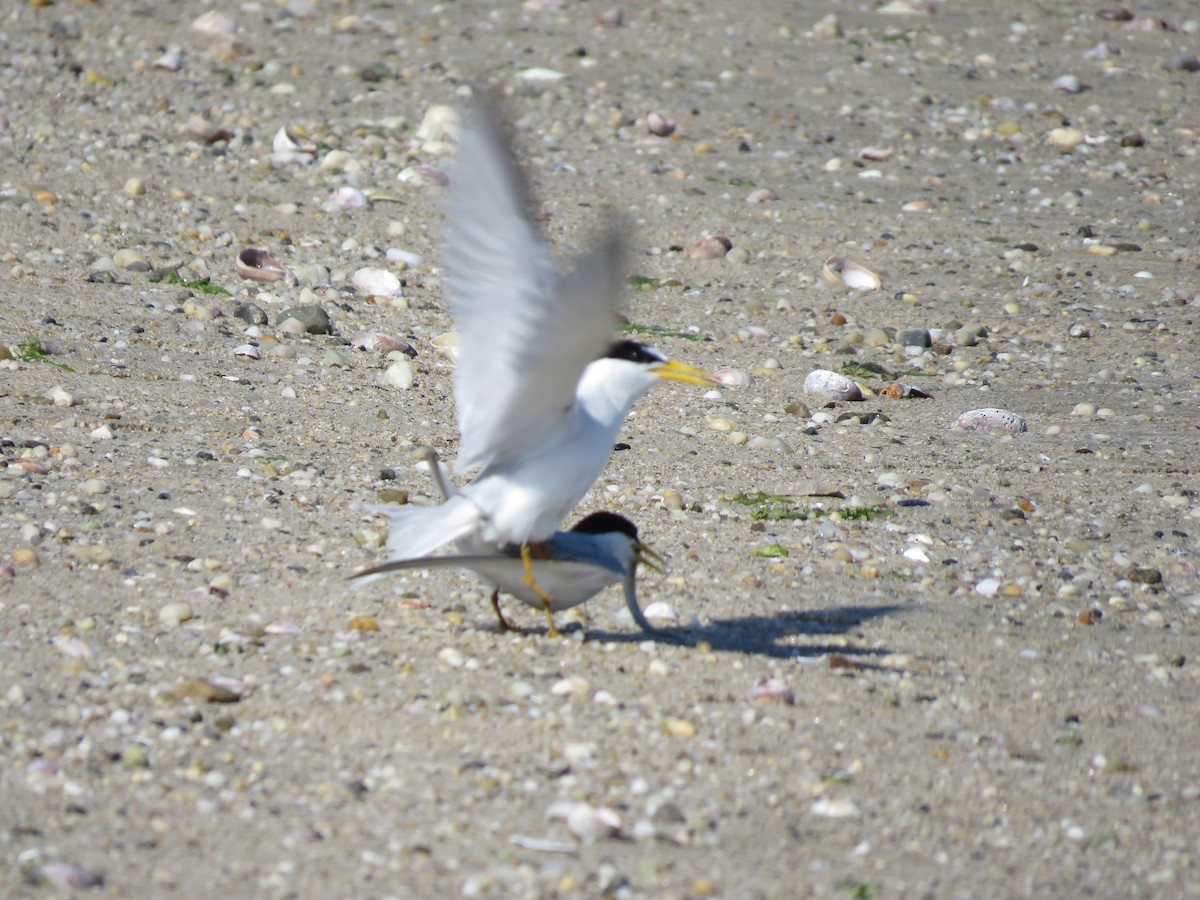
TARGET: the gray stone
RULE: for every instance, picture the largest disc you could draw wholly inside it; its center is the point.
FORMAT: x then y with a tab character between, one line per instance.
250	313
314	318
913	337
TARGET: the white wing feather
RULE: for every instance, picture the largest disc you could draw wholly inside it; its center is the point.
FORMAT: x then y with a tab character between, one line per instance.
527	331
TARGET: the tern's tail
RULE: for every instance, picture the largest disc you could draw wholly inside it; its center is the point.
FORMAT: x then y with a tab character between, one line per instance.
419	530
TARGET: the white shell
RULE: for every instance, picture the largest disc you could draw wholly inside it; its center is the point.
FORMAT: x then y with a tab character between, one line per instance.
772	691
440	123
840	271
586	823
828	385
991	419
348	197
732	377
247	350
876	154
60	396
214	24
539	74
447	346
661	611
1068	83
379	282
423	175
171	61
658	124
287	141
917	206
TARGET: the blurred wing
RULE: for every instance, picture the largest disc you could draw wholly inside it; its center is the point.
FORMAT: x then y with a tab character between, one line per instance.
460	561
527	330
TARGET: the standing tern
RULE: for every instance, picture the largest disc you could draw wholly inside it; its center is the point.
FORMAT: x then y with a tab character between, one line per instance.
541	387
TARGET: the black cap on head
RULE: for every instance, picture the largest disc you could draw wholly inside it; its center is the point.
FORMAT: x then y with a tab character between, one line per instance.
632	351
606	523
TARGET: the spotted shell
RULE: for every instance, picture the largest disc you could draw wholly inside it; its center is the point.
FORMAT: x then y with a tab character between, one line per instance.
1000	421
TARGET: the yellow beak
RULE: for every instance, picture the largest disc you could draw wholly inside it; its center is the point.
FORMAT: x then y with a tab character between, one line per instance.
648	558
674	370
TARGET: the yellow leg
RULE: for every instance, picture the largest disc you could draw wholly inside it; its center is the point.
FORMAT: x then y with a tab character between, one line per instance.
546	599
505	625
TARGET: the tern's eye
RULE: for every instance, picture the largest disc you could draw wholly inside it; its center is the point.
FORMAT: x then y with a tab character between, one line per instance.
632	351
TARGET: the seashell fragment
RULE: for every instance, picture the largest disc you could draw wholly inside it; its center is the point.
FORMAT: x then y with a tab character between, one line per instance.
423	176
288	141
447	346
373	341
917	206
70	877
214	24
1067	83
290	147
826	385
586	823
348	197
713	247
249	351
1000	421
171	61
441	123
732	377
611	18
661	611
539	74
203	130
378	282
876	154
761	195
834	808
906	8
258	265
840	271
28	465
771	691
658	124
898	391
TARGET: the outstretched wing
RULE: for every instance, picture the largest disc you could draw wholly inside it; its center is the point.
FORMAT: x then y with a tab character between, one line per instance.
527	330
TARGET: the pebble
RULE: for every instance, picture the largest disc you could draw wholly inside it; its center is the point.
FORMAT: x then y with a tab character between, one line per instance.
175	613
131	260
334	358
103	433
250	313
400	375
25	557
134	187
709	248
914	337
672	499
312	317
1066	139
60	396
93	487
766	443
1084	409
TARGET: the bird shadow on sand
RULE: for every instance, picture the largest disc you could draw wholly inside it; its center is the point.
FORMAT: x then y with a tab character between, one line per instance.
780	636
